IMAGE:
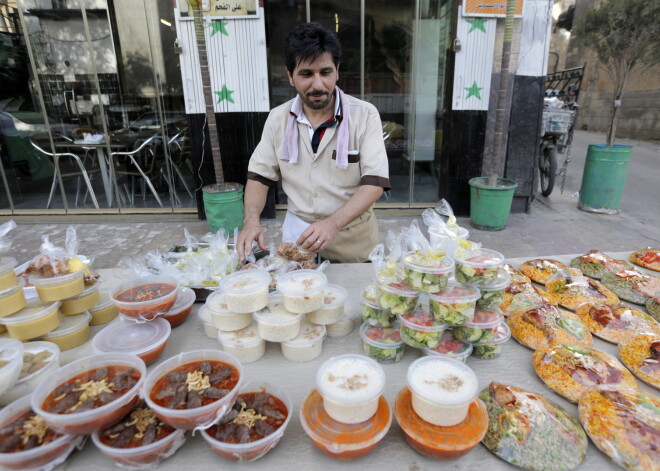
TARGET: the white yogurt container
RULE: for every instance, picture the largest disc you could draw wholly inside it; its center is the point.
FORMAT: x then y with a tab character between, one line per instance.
224	319
442	389
246	291
351	386
346	324
302	290
244	344
307	345
208	326
334	300
275	323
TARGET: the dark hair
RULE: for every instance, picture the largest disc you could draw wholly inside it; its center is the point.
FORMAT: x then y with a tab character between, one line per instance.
308	41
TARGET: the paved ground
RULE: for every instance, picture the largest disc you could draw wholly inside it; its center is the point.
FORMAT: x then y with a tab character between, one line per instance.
555	225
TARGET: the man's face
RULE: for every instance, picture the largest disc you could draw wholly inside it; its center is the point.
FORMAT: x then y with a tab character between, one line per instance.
315	81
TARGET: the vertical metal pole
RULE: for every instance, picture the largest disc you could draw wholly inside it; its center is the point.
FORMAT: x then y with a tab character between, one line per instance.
413	102
308	10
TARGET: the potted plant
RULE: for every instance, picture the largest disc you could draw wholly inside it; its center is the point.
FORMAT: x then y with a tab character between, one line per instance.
625	34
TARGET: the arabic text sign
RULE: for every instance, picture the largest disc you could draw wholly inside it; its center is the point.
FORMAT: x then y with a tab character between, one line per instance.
223	8
489	8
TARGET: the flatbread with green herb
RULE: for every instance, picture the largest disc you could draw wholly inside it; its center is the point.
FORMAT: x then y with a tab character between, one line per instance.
542	269
632	286
595	264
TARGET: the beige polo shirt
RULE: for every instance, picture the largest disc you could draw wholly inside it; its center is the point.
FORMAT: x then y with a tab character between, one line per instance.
314	186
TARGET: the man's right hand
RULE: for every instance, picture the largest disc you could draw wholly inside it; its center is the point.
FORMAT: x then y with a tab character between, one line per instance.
251	231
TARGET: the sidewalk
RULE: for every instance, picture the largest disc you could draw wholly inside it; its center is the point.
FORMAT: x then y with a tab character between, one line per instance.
554	226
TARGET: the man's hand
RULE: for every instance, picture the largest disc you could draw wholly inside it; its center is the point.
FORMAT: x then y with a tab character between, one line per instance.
251	231
318	236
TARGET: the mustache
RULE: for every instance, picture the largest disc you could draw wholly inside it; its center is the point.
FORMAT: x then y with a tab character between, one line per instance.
318	94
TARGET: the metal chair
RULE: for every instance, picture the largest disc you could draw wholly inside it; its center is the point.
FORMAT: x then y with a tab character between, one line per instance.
58	171
175	147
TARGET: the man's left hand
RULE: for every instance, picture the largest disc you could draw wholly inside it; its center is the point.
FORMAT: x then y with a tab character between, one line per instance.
318	236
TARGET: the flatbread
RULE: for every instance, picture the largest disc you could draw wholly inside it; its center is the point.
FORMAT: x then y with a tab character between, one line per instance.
542	269
653	306
572	291
647	258
616	324
641	355
595	264
632	285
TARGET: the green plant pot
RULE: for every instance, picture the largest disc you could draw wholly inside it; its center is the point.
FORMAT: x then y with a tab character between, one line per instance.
604	178
223	204
490	205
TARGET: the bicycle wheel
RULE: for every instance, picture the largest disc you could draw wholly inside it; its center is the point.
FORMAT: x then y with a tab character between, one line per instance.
547	169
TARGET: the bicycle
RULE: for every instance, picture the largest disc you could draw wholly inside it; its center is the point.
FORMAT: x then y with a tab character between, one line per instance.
556	136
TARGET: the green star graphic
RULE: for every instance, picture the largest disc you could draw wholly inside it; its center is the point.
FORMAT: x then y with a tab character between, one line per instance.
219	26
477	23
474	91
225	94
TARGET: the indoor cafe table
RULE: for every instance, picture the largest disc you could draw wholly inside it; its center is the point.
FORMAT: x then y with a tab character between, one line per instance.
295	451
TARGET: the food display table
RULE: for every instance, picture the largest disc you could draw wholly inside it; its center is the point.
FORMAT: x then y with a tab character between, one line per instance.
295	451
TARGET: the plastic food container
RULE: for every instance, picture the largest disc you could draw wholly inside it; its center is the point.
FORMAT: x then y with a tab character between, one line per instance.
206	319
104	311
72	332
372	312
145	298
345	325
334	300
450	347
182	307
146	340
86	300
36	319
493	349
32	372
275	323
482	270
420	330
224	319
493	295
197	418
244	344
12	299
302	290
86	422
383	344
246	291
44	457
455	304
441	389
428	279
344	442
397	298
307	345
7	273
351	386
11	361
483	328
59	287
448	244
252	451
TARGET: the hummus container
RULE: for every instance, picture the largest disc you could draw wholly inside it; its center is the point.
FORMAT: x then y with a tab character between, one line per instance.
491	296
197	418
104	311
36	319
334	300
7	273
450	347
178	314
252	451
145	298
246	291
11	361
442	389
397	299
483	328
302	290
146	340
43	457
351	386
88	421
383	344
307	346
12	299
275	323
59	287
72	332
244	344
39	360
481	270
455	304
345	325
208	326
86	300
224	319
428	279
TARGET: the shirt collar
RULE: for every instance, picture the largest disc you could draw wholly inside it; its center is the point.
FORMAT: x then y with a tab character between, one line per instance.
297	109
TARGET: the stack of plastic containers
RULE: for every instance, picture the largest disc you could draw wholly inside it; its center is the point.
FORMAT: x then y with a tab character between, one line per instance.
12	297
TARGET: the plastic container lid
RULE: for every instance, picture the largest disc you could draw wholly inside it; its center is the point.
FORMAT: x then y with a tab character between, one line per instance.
388	332
204	315
440	364
38	347
13	289
502	336
445	265
86	292
130	337
502	281
486	259
400	289
419	320
365	365
69	324
11	351
184	300
297	279
103	303
337	292
216	303
491	317
56	280
34	310
465	349
247	337
456	293
139	281
461	233
246	281
276	313
7	264
370	296
309	334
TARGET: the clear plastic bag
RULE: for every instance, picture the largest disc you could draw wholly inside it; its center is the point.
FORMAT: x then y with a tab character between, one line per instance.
388	267
58	261
5	243
443	235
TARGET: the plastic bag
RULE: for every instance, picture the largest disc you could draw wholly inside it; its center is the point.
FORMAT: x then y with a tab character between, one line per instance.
58	261
388	267
5	243
421	252
444	235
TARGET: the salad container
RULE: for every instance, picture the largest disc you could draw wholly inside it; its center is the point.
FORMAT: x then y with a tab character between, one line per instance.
493	295
334	300
146	340
419	329
455	304
482	329
372	312
450	347
36	319
482	269
383	344
244	344
427	273
72	331
82	302
39	360
493	349
145	298
246	291
397	298
302	290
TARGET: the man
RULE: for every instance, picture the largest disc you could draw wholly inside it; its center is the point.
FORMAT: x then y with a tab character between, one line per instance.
328	149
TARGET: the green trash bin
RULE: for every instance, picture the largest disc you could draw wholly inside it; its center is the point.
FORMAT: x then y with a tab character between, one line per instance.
604	178
223	204
490	204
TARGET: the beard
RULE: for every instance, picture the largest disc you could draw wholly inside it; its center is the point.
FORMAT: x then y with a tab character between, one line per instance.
316	105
